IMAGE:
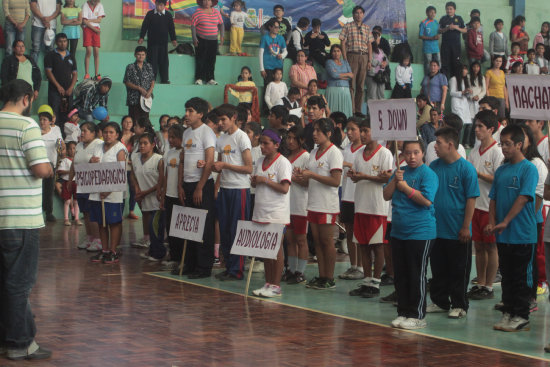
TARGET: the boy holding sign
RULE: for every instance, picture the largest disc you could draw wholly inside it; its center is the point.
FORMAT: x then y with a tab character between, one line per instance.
271	178
233	204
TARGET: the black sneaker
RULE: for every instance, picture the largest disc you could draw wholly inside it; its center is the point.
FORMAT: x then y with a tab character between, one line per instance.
287	275
482	293
391	298
97	258
297	278
386	280
359	290
499	306
371	292
110	258
473	290
217	261
474	281
312	282
325	284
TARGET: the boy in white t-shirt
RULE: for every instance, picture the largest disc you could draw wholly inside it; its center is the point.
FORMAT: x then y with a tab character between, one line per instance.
371	170
233	203
486	159
92	14
196	186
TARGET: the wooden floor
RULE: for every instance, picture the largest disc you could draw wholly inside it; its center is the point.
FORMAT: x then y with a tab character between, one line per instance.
115	315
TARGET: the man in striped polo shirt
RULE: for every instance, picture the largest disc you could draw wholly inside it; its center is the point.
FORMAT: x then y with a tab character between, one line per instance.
23	165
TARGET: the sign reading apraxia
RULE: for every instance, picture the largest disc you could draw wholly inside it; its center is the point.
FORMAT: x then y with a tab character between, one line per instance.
393	119
529	96
187	223
258	240
100	177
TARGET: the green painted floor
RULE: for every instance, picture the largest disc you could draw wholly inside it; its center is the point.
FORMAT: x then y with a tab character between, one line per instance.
475	329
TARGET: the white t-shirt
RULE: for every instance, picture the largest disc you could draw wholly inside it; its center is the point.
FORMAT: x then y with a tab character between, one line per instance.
272	206
97	12
83	155
107	157
195	143
147	176
348	186
323	198
171	166
542	147
65	165
256	153
369	195
274	92
47	8
431	155
487	163
72	132
51	141
238	18
231	148
542	168
298	193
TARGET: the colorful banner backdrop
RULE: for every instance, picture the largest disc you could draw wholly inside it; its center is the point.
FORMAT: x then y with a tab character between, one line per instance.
389	14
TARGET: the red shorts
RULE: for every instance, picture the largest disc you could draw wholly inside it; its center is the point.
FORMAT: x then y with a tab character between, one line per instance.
369	229
91	38
298	224
321	218
66	194
479	221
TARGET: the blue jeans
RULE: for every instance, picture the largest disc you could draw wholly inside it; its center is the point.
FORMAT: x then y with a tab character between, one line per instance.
12	33
18	269
37	38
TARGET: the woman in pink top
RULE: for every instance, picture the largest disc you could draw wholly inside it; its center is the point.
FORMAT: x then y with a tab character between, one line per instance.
206	23
544	36
301	73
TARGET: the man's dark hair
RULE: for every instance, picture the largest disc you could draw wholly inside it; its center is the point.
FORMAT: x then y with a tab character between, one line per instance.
356	8
531	51
423	97
515	132
419	142
450	3
515	44
60	36
491	101
225	109
475	11
140	48
242	114
316	100
15	90
449	134
280	112
199	105
212	116
454	121
487	118
293	91
315	22
303	22
430	8
339	118
278	6
160	2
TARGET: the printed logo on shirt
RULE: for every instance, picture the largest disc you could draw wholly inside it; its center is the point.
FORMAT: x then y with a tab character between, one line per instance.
454	184
320	164
376	168
173	163
227	150
271	176
514	184
189	144
488	164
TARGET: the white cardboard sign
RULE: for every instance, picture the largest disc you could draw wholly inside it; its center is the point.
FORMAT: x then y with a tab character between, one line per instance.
100	177
529	96
187	223
393	119
259	240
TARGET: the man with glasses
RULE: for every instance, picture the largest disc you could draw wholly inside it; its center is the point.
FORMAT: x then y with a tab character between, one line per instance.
356	41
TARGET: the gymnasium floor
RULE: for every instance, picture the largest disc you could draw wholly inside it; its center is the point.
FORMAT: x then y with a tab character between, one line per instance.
130	314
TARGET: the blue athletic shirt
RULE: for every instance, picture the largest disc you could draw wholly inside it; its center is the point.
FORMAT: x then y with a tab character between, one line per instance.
429	28
511	181
272	47
411	221
457	183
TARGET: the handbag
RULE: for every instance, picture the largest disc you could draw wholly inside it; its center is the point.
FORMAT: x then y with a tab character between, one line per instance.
381	77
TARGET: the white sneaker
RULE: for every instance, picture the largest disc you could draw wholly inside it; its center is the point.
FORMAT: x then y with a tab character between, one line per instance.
517	323
433	308
503	322
356	274
346	274
143	243
397	322
271	292
457	313
212	82
413	324
258	267
144	255
258	292
198	82
84	244
95	246
151	258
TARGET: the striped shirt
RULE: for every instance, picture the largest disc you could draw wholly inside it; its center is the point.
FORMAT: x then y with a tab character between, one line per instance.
206	25
21	146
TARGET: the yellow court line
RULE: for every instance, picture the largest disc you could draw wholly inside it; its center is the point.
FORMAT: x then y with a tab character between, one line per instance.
353	318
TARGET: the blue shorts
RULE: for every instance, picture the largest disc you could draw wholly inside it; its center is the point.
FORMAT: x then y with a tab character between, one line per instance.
83	202
113	212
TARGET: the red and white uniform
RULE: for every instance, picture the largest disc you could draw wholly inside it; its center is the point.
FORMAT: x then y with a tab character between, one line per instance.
348	186
323	198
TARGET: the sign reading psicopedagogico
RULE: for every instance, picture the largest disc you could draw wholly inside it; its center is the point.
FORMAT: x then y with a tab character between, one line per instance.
259	240
393	119
100	177
187	223
529	96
